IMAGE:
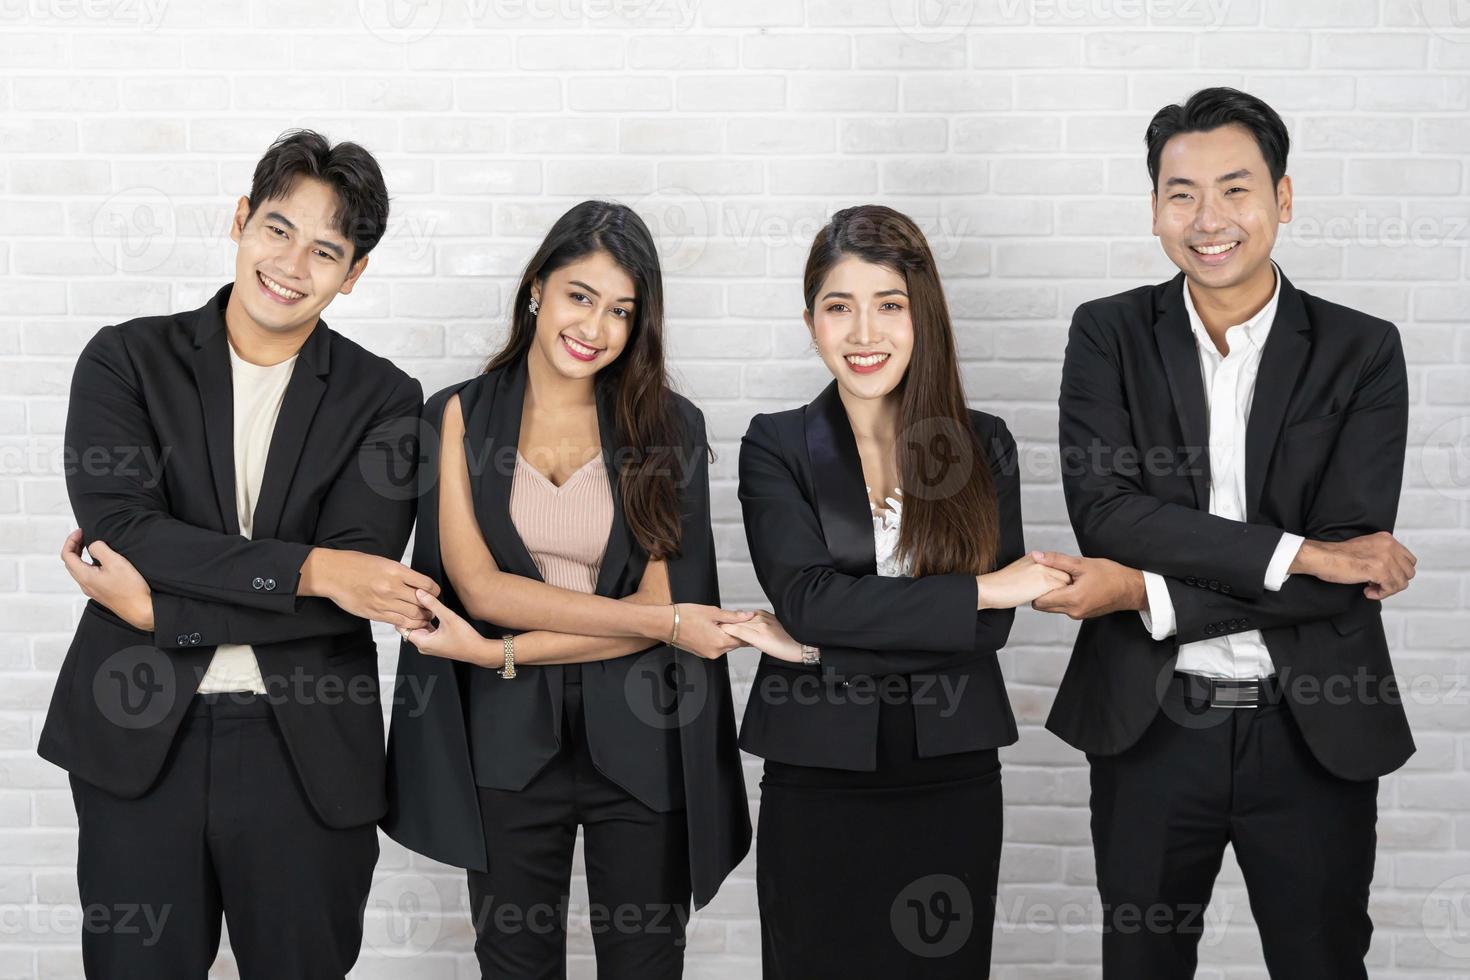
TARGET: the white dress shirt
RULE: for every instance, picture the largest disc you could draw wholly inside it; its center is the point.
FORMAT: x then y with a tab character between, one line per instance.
258	390
886	525
1230	384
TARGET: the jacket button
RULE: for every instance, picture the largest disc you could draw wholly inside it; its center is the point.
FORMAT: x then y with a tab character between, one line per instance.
1189	580
1225	587
257	583
181	640
195	637
270	583
1243	621
1209	629
1214	584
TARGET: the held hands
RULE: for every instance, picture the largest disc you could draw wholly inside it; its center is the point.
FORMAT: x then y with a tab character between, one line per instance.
368	586
111	580
702	629
1099	587
764	632
454	638
1378	560
1019	583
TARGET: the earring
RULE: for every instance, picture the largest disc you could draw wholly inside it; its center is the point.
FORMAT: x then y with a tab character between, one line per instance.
815	347
535	306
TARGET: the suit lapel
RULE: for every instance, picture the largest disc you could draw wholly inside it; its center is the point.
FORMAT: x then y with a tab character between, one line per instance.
493	456
298	407
1177	347
216	403
1282	359
303	393
837	474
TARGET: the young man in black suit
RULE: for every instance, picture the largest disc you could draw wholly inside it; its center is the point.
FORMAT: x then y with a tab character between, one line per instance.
1232	454
243	477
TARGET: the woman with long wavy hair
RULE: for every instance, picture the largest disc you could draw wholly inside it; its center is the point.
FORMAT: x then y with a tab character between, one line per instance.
576	675
884	523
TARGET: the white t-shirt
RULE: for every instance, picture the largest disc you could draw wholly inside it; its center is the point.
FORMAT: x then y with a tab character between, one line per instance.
258	390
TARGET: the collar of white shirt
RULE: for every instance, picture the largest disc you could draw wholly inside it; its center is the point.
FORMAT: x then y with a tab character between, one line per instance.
1256	328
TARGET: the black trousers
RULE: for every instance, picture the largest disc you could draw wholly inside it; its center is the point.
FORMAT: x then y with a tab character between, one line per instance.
1202	777
226	829
887	874
637	870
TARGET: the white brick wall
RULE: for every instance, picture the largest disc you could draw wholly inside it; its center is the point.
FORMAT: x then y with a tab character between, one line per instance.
1010	128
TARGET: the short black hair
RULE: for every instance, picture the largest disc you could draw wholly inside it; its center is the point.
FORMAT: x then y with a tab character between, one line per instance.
1211	108
350	170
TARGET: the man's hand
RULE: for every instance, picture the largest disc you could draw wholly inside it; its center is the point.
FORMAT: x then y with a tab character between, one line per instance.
368	586
1099	587
111	580
1378	560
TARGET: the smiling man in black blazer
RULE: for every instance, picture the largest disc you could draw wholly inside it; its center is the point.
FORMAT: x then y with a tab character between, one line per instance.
1232	452
244	478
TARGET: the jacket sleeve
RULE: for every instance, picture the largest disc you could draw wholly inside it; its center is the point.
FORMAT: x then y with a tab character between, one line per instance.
1112	515
1358	494
820	605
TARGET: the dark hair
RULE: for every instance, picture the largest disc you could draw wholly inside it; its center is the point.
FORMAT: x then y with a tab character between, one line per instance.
350	170
957	530
1211	108
644	415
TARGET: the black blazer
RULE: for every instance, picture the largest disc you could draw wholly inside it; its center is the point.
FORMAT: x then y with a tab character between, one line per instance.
1324	459
660	722
810	532
149	438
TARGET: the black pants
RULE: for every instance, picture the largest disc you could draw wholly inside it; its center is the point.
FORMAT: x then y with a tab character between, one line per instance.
226	829
637	871
1202	777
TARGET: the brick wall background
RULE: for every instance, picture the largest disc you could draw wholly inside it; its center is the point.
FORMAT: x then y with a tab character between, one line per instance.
1010	128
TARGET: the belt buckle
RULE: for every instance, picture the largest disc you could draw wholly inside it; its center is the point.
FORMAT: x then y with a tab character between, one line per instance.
1246	695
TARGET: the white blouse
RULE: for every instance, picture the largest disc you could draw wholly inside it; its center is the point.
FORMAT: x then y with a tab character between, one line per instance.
885	536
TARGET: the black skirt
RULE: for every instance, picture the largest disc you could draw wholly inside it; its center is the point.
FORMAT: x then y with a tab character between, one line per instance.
888	874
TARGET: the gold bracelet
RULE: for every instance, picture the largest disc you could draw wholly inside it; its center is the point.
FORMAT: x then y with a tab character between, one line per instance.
675	635
508	643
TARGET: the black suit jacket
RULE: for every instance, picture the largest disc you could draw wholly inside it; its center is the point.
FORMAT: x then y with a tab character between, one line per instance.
1324	459
150	471
810	532
660	722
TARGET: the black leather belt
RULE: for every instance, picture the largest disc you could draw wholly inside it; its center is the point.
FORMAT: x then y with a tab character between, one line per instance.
1224	693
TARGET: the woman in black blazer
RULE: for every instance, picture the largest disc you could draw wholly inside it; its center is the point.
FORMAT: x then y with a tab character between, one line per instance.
879	704
532	710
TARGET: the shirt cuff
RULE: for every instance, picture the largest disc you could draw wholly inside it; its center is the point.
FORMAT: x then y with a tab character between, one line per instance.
1158	618
1277	572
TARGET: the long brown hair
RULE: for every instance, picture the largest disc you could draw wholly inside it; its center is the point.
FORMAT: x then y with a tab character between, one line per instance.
950	522
644	415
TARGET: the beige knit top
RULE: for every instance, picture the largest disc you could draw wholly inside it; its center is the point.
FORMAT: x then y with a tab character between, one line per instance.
565	527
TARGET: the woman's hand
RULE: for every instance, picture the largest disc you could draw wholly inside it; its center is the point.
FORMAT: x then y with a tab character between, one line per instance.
1020	582
701	629
111	580
766	634
454	638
